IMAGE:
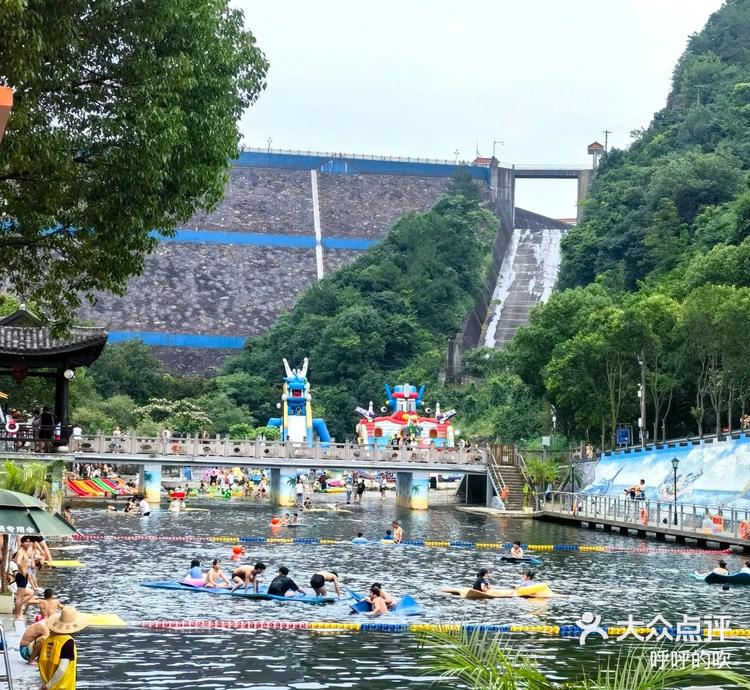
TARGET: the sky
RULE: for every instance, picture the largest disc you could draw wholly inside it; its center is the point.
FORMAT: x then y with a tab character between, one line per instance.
427	78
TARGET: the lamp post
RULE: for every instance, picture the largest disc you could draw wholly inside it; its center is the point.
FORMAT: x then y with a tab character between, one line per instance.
495	142
675	465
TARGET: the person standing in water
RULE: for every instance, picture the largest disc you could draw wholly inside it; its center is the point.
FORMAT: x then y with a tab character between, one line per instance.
398	532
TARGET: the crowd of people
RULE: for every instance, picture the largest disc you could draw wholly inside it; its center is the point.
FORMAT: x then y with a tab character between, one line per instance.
47	642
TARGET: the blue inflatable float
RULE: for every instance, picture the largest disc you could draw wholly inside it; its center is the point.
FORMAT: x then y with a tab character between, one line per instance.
531	560
714	579
406	606
261	594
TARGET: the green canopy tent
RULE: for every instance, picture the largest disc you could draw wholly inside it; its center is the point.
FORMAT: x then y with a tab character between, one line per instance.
23	515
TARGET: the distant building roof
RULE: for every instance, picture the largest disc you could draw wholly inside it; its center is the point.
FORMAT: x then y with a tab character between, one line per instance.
23	338
569	221
596	146
486	162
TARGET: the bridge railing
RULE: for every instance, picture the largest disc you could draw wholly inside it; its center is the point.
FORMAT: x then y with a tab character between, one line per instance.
706	521
259	450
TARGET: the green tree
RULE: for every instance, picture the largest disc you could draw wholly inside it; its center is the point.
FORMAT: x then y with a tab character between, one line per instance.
124	122
177	416
129	368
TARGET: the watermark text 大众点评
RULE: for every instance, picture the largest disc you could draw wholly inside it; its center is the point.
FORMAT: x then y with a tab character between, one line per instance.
689	629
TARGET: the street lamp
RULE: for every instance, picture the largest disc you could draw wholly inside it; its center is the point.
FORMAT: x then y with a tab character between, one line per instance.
675	465
494	143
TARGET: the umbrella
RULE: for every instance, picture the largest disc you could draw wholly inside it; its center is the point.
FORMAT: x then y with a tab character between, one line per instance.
22	514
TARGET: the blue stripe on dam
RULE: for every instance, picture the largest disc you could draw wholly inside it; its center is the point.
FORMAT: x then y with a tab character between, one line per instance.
226	342
262	239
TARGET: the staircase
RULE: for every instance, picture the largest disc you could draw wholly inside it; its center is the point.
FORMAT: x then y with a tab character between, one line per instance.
506	474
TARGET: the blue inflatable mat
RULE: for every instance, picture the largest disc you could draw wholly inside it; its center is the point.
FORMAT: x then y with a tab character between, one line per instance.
714	579
526	559
262	593
406	606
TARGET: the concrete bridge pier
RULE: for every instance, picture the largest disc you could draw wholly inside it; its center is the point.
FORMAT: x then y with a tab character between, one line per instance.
283	483
585	178
149	483
411	489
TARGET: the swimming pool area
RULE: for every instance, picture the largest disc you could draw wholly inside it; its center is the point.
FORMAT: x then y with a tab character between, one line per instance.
612	585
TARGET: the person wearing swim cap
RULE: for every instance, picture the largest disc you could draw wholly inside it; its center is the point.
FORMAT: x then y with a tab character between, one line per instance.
58	654
247	574
482	583
318	582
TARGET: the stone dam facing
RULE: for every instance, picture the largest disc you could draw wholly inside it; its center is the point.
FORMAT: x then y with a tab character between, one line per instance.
228	274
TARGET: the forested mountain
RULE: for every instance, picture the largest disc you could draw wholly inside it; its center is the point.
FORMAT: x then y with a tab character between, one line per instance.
654	281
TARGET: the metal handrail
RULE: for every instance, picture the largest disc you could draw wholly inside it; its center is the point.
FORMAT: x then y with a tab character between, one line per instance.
4	642
675	443
357	156
701	520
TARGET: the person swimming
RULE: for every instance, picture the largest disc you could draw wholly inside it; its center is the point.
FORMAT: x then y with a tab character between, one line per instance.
516	551
377	601
307	504
286	520
746	568
482	583
528	579
295	520
390	602
360	539
388	535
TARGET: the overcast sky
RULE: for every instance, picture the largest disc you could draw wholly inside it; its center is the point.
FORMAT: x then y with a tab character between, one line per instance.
425	78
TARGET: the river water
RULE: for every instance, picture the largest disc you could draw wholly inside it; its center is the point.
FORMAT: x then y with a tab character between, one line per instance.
609	585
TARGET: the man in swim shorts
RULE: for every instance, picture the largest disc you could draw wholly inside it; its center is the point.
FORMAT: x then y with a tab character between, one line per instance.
282	584
216	577
30	643
318	582
246	574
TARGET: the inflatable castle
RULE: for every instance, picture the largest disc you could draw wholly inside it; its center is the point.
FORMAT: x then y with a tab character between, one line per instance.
296	422
404	421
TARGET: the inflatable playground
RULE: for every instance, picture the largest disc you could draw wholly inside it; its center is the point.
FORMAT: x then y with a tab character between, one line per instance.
404	422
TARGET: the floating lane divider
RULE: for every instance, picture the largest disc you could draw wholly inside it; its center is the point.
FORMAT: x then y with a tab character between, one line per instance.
572	631
412	542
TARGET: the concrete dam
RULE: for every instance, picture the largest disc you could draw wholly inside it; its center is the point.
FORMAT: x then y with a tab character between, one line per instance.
287	220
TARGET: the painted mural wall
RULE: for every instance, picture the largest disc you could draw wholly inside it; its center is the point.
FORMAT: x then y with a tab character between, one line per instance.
710	473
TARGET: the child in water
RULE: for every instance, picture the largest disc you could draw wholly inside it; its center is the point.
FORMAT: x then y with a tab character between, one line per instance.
528	579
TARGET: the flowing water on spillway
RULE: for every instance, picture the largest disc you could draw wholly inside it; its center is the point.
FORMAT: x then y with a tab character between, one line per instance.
610	585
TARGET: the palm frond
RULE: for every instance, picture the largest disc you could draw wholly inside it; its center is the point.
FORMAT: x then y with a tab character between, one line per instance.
634	670
479	661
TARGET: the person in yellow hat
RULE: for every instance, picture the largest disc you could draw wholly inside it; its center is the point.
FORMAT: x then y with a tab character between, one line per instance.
58	654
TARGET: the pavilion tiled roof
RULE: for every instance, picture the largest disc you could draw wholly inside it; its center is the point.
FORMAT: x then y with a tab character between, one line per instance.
38	339
23	334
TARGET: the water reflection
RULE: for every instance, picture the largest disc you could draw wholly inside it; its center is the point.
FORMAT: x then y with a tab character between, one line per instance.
611	585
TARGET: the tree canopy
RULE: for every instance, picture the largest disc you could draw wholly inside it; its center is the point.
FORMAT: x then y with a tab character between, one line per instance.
124	122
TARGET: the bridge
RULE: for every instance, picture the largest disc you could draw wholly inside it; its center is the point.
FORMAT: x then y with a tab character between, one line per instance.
411	464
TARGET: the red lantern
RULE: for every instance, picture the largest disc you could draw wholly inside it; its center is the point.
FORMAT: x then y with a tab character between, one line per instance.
19	373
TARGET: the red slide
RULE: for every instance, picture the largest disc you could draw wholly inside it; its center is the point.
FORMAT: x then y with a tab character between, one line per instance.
76	490
121	490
